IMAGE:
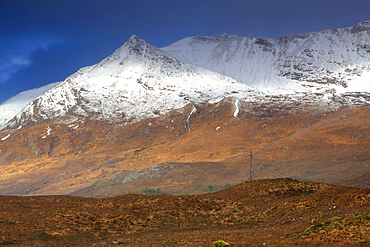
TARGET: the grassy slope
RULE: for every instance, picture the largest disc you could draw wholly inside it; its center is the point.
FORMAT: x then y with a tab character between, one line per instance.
273	211
330	148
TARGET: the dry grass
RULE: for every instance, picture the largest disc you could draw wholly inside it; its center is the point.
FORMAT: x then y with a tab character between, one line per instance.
94	157
275	212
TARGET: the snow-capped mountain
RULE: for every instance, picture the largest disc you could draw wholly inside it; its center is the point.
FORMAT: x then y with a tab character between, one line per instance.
137	81
12	106
338	58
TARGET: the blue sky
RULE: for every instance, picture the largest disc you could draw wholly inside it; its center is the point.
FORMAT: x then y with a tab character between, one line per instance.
43	41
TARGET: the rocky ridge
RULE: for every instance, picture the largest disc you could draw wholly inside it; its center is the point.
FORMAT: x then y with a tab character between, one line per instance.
11	107
336	58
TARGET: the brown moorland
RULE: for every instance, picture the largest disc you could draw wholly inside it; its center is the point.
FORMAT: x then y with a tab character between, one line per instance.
183	152
272	212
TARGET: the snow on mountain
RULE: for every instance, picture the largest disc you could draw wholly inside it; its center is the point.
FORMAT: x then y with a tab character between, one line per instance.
336	58
12	106
137	81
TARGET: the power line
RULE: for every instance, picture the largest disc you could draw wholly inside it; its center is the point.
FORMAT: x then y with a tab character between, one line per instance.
250	166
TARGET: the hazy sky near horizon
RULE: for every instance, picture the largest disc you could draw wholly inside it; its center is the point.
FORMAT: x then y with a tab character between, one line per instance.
44	41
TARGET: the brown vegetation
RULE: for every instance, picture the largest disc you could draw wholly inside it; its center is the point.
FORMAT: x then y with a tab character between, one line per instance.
271	212
91	157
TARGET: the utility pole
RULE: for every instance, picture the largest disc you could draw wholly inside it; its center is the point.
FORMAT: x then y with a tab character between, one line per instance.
250	167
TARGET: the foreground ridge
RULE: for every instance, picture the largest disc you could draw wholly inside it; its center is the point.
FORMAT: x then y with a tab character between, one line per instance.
272	212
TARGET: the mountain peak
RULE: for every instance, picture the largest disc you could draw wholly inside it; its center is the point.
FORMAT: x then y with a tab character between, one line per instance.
134	40
364	23
215	38
361	27
139	47
223	36
135	43
137	81
133	47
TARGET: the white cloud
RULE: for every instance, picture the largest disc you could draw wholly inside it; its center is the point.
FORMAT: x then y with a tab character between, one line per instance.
16	53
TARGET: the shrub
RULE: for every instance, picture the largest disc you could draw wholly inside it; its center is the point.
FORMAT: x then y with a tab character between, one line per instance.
215	188
150	191
337	218
220	243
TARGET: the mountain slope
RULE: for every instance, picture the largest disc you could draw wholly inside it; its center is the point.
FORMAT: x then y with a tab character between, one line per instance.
338	58
141	111
307	137
12	106
137	81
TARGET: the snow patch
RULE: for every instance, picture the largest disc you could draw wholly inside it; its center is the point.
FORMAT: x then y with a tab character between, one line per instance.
6	137
47	132
192	111
73	126
236	108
